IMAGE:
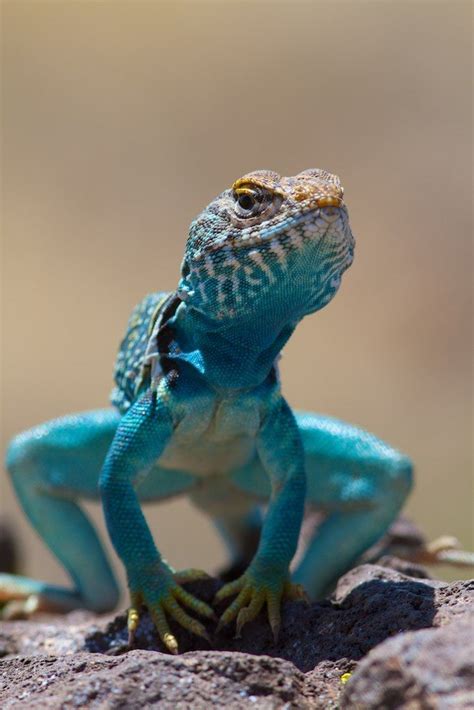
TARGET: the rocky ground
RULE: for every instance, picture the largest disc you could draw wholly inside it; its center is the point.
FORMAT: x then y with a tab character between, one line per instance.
406	641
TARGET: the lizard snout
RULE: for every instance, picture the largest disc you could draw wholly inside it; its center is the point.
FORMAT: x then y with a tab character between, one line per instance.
329	201
329	213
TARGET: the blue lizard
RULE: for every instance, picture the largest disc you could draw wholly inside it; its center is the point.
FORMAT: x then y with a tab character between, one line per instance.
198	409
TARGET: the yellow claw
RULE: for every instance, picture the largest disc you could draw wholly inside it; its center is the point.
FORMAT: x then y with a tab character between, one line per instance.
196	605
184	620
23	608
229	589
445	550
249	612
170	642
234	608
274	616
159	619
133	617
250	600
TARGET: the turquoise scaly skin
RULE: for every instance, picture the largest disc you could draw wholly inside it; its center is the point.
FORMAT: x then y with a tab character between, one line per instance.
198	410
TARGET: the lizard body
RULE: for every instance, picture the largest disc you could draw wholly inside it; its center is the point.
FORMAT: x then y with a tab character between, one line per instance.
198	410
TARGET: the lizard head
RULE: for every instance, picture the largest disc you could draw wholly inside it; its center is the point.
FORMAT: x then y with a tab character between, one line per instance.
268	244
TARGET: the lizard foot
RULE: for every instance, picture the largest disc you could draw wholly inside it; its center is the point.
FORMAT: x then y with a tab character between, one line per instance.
22	597
445	550
163	596
21	608
252	595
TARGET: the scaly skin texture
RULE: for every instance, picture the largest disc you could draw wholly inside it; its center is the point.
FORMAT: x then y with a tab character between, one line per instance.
198	409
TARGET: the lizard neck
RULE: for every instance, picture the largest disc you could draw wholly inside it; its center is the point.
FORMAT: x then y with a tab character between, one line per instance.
236	354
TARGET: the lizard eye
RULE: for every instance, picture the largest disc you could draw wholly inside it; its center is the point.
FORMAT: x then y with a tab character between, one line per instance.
253	204
246	202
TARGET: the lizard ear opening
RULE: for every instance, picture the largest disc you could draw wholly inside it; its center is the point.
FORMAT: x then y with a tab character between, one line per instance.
184	287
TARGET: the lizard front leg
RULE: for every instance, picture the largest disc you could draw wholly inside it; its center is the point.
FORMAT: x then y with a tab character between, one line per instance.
266	580
141	437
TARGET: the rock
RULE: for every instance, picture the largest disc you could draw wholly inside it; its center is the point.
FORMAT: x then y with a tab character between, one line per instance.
355	581
370	604
454	601
142	679
9	558
411	569
82	660
422	670
49	635
403	537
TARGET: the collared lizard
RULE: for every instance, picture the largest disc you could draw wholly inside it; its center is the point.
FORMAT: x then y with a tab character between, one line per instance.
198	410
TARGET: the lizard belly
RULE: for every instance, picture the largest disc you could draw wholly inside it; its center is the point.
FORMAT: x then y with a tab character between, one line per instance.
217	438
207	458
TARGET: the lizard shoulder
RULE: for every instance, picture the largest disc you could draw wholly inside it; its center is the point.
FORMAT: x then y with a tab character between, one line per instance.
129	374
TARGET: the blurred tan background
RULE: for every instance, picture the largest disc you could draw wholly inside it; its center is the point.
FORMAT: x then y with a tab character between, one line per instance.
121	120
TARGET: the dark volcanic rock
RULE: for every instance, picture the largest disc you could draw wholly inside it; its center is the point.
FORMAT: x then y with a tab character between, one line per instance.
141	679
423	670
9	558
82	660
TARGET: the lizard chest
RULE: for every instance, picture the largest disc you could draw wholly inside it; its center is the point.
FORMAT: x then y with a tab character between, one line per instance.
215	436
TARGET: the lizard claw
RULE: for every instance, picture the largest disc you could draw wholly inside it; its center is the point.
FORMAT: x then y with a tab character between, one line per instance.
163	598
20	608
445	550
252	595
133	617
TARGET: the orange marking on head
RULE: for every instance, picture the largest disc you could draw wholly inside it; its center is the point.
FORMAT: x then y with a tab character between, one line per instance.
329	201
315	186
265	179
